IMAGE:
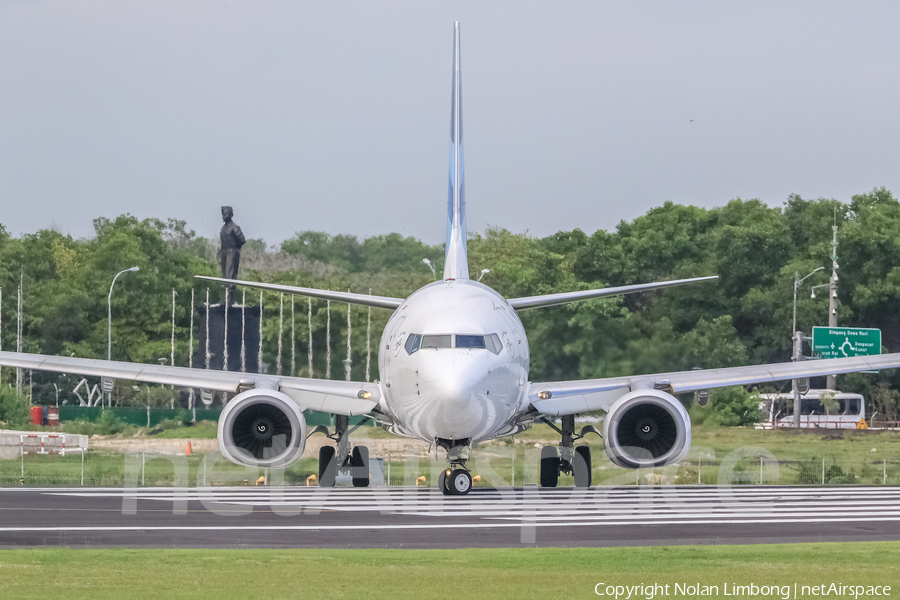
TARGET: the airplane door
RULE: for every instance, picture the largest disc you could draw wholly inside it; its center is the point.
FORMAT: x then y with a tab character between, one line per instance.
394	342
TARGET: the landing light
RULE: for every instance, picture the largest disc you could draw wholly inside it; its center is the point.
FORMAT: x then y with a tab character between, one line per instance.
364	395
545	395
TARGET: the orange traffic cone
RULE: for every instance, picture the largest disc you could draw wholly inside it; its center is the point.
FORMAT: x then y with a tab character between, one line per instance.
187	451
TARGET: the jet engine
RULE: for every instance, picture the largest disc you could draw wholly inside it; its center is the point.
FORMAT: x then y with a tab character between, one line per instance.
262	428
646	428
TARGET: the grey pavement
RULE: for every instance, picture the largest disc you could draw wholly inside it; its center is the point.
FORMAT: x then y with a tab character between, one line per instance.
271	517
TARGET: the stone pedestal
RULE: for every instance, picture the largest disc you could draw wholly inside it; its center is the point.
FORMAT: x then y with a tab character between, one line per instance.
249	322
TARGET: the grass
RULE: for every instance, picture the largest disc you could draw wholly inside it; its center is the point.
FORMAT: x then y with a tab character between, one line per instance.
203	430
108	469
470	573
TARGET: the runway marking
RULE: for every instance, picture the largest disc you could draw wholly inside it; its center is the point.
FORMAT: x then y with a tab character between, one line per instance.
476	525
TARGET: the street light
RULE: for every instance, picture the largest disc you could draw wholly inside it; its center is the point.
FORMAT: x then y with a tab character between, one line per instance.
483	273
430	266
797	282
797	346
109	321
813	289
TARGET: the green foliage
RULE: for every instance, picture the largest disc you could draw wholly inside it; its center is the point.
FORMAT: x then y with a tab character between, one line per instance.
14	408
829	404
884	401
185	418
728	407
743	318
109	423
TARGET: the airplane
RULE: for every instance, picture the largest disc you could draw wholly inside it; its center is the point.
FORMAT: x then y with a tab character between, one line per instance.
454	367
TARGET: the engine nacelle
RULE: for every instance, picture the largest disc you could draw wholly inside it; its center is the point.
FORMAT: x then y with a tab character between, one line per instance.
262	428
647	428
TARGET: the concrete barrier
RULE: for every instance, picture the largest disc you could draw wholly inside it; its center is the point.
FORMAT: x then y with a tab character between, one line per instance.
10	442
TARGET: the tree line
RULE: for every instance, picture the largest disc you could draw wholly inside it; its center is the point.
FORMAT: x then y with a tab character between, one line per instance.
743	318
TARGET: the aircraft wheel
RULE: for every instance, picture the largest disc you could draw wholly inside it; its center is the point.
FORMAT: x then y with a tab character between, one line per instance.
549	467
359	466
582	467
442	482
459	482
327	466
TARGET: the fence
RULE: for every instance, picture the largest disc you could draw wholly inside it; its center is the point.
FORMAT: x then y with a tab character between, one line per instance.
96	468
142	417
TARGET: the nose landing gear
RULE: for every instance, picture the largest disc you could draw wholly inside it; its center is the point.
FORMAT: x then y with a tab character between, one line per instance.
568	459
455	480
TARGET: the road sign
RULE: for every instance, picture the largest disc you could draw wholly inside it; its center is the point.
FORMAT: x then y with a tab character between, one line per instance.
840	342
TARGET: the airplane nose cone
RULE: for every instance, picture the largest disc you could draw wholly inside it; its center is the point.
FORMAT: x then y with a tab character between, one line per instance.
451	389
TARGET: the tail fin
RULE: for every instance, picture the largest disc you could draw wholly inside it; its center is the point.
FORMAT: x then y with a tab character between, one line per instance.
456	262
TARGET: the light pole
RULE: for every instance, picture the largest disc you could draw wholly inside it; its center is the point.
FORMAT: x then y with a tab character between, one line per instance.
109	320
430	266
797	282
483	273
797	343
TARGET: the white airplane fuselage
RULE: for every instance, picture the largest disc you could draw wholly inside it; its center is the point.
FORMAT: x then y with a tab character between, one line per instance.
439	387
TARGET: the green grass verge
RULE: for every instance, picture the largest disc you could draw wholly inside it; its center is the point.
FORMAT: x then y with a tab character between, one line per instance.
471	573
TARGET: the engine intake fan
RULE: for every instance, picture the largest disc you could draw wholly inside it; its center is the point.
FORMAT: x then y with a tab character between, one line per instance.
647	428
262	428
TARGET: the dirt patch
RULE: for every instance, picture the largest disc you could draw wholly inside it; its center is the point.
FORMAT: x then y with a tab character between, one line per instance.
380	447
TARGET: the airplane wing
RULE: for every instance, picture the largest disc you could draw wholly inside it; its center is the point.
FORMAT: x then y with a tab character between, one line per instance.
564	297
571	397
364	299
339	397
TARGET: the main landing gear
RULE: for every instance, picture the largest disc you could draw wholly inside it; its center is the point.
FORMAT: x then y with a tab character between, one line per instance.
342	459
568	459
455	480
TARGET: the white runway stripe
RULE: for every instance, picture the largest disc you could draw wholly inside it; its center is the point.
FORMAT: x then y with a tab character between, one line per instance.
437	525
488	508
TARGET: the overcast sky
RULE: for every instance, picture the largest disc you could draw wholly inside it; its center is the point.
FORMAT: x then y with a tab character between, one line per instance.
334	116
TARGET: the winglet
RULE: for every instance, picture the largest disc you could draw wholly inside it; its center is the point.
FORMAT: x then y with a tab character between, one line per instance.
456	262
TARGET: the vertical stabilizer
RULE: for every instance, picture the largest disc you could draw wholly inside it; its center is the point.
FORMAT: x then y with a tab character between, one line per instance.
456	263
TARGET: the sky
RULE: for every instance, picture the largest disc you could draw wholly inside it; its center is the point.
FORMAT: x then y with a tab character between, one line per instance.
335	116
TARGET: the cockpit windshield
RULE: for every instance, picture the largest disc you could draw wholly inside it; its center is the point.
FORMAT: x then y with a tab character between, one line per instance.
467	341
437	341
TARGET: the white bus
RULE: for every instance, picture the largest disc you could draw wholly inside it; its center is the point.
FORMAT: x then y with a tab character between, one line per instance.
778	410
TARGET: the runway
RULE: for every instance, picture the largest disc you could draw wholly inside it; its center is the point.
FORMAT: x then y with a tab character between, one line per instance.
423	518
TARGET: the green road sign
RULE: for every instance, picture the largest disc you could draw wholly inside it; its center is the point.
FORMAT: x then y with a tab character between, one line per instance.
839	342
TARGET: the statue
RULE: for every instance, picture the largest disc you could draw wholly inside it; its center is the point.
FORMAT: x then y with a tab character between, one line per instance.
232	239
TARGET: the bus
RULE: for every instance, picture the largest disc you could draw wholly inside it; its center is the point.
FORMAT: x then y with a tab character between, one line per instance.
778	410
